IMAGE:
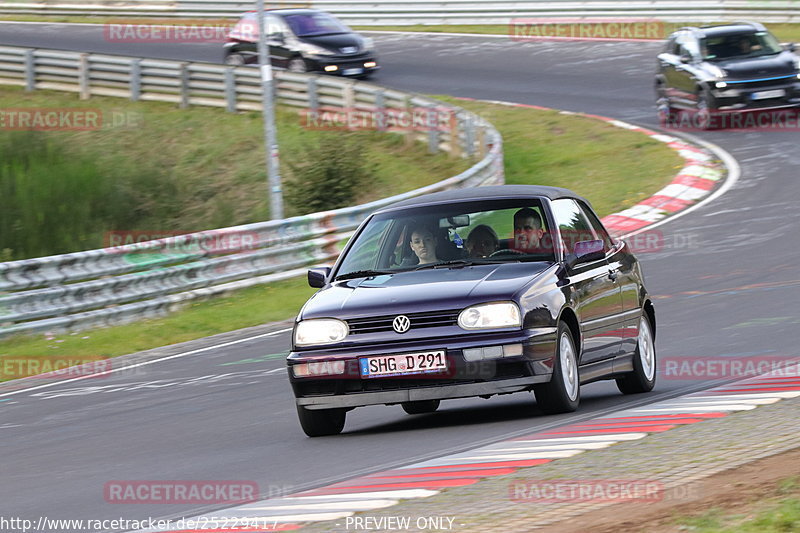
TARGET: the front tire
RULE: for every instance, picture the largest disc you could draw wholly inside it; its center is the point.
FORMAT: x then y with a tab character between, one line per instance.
321	422
420	407
234	59
298	65
562	393
706	107
643	377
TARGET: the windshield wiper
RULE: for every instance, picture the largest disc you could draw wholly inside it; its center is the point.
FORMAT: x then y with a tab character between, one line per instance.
463	263
364	274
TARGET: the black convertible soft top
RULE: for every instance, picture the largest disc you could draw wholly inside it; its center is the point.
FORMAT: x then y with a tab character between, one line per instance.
492	192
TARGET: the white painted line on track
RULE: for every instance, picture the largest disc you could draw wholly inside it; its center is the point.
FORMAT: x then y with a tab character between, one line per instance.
504	447
399	494
146	363
357	505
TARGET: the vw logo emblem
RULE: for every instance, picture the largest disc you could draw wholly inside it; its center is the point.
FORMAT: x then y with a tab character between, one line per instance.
401	324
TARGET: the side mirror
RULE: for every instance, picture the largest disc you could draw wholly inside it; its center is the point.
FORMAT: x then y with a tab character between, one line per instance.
318	277
686	58
276	37
791	47
585	252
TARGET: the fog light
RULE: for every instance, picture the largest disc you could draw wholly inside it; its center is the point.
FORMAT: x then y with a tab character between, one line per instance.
324	368
331	68
473	354
370	64
512	350
721	85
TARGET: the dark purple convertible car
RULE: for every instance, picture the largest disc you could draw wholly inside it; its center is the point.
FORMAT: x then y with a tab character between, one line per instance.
473	292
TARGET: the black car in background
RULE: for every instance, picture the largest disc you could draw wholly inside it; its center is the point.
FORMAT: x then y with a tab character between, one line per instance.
303	40
731	67
475	292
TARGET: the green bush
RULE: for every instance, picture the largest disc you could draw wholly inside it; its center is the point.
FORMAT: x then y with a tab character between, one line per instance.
327	175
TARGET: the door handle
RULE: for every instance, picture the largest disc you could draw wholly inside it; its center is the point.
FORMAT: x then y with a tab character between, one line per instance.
612	275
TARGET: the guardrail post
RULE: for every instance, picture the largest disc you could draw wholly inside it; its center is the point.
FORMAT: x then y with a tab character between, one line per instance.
83	76
313	96
482	148
409	133
136	80
349	95
380	109
230	89
30	71
432	124
455	141
469	134
183	74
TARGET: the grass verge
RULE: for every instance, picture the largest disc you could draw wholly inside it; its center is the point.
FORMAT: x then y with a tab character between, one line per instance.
157	169
541	147
775	512
783	31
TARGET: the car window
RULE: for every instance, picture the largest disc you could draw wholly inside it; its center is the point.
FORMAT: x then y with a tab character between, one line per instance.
739	45
463	231
573	226
309	24
597	226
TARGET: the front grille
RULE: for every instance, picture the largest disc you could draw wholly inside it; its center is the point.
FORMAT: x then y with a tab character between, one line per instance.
382	324
760	84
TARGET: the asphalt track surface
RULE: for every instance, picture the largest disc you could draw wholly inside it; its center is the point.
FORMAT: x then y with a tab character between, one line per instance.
726	285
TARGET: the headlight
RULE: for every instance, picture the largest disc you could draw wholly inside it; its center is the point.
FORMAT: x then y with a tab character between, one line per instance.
488	316
721	85
314	50
320	331
716	71
325	368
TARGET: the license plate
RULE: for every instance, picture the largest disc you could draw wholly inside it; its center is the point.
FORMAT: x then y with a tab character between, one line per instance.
403	364
352	71
763	95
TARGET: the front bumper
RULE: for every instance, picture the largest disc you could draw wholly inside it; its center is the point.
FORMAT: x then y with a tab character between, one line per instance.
442	392
744	96
344	65
463	378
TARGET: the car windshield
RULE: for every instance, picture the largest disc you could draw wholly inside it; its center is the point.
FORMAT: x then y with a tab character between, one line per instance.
454	235
739	45
310	24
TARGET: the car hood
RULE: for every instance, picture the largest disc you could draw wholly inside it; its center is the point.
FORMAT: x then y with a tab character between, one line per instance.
759	67
336	42
421	291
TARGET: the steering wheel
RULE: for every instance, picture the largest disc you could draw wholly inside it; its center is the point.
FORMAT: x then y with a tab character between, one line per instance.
506	251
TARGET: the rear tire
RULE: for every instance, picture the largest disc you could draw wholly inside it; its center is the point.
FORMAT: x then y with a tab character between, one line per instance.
421	407
643	377
234	60
562	393
321	422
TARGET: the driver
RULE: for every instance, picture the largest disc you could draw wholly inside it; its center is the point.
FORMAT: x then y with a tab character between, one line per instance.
482	241
527	230
423	244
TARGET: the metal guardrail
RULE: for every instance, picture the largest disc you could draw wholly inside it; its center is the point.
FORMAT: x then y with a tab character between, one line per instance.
108	286
398	12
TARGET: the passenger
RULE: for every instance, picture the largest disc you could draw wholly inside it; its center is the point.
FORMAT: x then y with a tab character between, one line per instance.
423	244
527	230
482	241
